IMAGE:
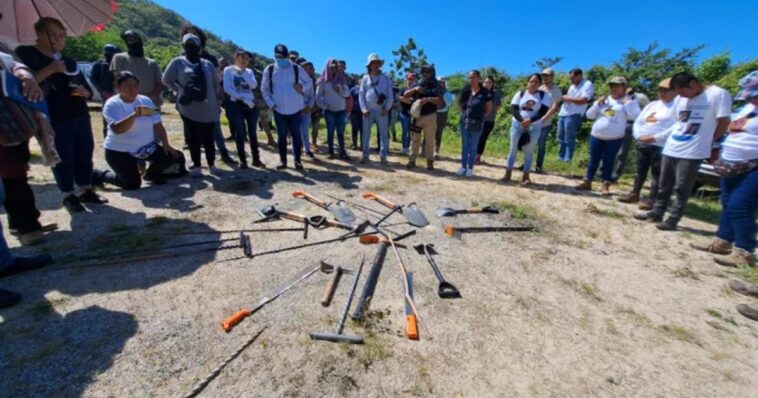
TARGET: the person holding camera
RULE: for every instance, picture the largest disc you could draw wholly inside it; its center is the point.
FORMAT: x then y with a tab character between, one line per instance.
375	101
135	134
427	96
194	79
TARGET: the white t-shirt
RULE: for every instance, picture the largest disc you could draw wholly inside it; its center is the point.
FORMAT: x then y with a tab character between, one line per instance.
742	145
529	104
611	117
657	117
584	89
140	134
691	137
239	84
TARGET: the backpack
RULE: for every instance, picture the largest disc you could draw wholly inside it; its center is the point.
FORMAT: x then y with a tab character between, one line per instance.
196	88
542	94
270	71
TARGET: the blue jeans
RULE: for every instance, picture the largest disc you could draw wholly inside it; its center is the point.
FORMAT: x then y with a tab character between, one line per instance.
375	116
335	121
75	145
244	122
568	127
542	144
289	124
470	144
218	136
739	204
6	258
602	151
534	134
305	130
405	138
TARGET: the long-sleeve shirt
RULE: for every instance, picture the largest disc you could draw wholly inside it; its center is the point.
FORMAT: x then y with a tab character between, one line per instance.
656	117
329	99
371	88
611	117
175	78
309	96
239	85
279	89
585	90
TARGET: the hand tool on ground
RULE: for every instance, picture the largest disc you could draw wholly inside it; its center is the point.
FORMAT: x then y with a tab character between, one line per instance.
318	222
234	231
456	232
411	326
445	289
337	336
332	285
164	248
229	323
341	212
448	212
370	285
349	235
358	205
412	213
375	239
198	388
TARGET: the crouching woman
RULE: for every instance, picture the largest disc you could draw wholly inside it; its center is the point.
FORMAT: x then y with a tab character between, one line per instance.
135	135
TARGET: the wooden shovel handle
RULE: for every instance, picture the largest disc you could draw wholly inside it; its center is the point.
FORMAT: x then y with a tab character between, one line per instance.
292	216
316	201
331	287
373	196
229	323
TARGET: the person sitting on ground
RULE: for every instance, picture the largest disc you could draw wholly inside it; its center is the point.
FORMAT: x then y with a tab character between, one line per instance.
331	92
611	114
489	119
239	82
375	103
703	114
67	93
195	81
135	134
656	117
475	102
428	95
528	107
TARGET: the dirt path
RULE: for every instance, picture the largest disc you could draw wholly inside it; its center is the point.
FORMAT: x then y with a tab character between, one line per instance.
593	303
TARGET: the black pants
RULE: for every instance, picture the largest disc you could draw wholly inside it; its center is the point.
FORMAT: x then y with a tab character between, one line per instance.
623	155
678	178
20	205
488	127
197	135
125	168
244	121
356	125
648	158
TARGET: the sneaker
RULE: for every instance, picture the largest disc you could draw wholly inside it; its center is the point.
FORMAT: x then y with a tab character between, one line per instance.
631	197
748	289
461	171
469	172
344	156
229	161
668	225
89	196
281	166
32	238
299	166
196	172
748	311
9	298
716	246
738	258
72	204
24	264
646	204
584	186
538	170
648	216
310	155
259	164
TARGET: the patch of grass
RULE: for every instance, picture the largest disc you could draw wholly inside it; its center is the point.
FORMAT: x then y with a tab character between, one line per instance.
610	327
519	211
680	333
718	315
590	291
384	188
592	208
718	326
639	319
373	351
706	210
685	272
749	274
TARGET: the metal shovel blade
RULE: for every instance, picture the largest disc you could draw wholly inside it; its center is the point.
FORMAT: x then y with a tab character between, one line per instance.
414	215
342	213
448	212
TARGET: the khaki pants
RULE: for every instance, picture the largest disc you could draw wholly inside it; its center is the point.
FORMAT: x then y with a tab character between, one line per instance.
428	126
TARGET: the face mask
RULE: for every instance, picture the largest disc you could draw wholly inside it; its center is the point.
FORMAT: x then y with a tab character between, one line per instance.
192	52
283	63
135	49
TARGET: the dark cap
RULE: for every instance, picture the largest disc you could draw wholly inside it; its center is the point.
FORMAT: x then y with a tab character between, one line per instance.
130	33
281	51
125	75
111	49
243	52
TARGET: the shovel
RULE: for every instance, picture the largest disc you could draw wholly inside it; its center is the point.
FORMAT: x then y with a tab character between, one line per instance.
341	212
412	213
448	212
445	289
455	232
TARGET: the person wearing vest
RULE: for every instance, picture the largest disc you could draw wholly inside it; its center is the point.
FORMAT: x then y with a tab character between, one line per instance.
427	96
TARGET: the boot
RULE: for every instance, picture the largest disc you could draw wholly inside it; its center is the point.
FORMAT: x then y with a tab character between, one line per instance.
605	190
410	165
738	258
525	179
507	176
748	311
716	246
478	159
668	225
646	205
631	197
430	164
586	185
648	216
748	289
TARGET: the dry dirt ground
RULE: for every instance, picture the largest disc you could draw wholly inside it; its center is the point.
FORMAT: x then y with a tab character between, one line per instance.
593	303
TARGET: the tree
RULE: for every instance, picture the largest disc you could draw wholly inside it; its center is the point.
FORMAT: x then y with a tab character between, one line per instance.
546	62
408	58
713	68
644	69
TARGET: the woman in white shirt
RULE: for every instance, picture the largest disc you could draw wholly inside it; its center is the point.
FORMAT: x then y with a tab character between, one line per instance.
527	107
239	83
610	115
135	134
331	95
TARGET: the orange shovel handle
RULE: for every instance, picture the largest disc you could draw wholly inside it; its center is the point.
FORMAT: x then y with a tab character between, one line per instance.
229	323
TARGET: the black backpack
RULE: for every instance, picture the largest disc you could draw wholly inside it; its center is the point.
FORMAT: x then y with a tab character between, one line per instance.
196	88
270	71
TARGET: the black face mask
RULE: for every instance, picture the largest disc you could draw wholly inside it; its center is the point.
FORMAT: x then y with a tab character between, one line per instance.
135	49
192	52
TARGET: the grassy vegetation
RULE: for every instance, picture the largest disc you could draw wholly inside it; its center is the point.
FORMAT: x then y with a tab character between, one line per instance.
706	210
680	333
518	211
591	208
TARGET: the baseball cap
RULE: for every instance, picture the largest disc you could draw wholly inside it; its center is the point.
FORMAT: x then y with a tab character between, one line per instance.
111	49
190	37
548	71
281	51
665	83
243	52
748	86
617	80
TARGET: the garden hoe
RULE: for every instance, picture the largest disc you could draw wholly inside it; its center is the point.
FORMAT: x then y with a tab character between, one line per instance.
337	336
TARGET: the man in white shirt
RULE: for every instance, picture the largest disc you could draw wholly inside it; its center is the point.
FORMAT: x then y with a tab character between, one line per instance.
703	115
575	103
282	86
548	86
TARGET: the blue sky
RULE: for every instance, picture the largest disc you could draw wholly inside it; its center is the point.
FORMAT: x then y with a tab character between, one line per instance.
460	35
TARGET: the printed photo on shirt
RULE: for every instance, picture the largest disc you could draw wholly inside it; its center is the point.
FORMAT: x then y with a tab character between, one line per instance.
610	112
529	105
240	84
692	129
651	119
684	116
739	124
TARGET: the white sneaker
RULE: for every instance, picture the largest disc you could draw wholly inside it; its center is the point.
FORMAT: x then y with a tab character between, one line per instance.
461	171
195	172
469	172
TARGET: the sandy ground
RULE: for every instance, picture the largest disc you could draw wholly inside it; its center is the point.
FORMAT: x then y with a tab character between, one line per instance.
593	303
